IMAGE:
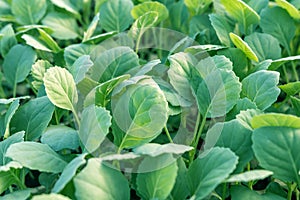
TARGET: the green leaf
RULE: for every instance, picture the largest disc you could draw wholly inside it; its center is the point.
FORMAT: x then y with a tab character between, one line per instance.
8	40
94	127
99	180
68	173
60	88
245	117
240	44
113	63
37	71
210	169
140	111
9	114
241	12
283	28
91	29
277	63
290	8
20	195
296	105
180	73
67	5
156	177
17	64
258	6
180	190
264	46
197	7
115	15
261	88
222	28
275	119
241	192
145	7
4	145
221	135
218	93
73	52
60	137
291	88
64	26
7	179
179	17
33	117
50	197
153	149
80	68
35	43
36	156
142	23
248	176
279	145
28	12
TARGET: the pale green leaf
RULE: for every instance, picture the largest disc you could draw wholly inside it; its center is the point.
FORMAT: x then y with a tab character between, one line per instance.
67	5
4	145
20	195
245	117
99	180
74	51
37	71
291	88
153	149
222	28
80	68
251	175
36	156
290	8
60	88
8	40
275	119
50	197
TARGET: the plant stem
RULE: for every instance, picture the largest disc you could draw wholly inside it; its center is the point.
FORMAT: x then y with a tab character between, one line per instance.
285	74
224	191
15	90
168	134
76	117
295	71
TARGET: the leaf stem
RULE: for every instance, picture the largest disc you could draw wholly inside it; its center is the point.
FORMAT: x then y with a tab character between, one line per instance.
76	117
224	191
168	134
15	90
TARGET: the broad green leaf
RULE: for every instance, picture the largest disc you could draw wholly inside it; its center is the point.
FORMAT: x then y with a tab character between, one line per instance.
67	5
115	15
17	64
99	180
36	156
156	177
50	197
210	169
73	52
180	73
245	117
68	173
60	137
91	29
113	63
179	17
29	11
9	114
197	7
264	46
275	119
241	192
80	67
291	88
290	8
8	40
241	105
277	63
221	135
258	6
33	117
142	23
35	43
240	44
153	149
279	145
37	71
218	93
20	195
180	190
222	28
120	157
241	12
238	59
7	179
4	145
100	94
261	88
48	40
60	88
145	7
64	26
94	127
283	28
252	175
140	111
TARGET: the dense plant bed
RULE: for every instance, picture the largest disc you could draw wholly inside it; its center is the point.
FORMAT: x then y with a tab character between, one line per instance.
137	99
